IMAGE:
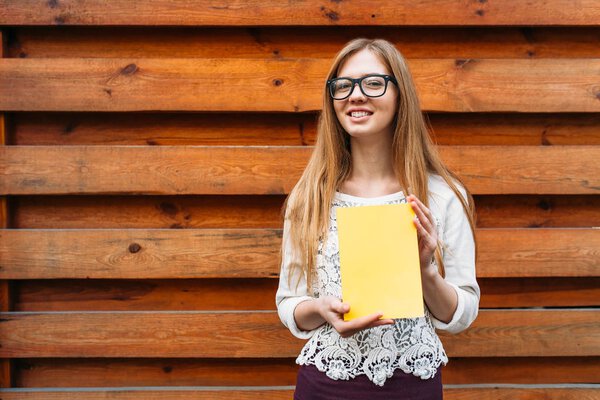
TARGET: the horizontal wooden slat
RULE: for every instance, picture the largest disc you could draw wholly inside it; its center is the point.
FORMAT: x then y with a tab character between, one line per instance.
130	254
301	41
273	170
144	212
260	211
312	12
537	292
538	252
525	211
260	334
203	129
490	392
180	84
194	393
254	253
151	170
243	294
240	294
107	372
291	129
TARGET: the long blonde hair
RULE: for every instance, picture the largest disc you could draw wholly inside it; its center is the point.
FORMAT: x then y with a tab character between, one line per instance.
414	155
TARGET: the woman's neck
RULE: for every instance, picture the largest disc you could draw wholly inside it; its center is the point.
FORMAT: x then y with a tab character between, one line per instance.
372	159
371	172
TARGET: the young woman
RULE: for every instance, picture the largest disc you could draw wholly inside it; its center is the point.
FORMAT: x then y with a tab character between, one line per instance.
372	148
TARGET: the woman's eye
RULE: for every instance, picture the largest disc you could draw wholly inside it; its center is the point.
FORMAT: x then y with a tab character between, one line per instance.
374	83
343	86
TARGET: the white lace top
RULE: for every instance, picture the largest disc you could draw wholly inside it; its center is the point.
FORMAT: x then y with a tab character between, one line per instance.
410	344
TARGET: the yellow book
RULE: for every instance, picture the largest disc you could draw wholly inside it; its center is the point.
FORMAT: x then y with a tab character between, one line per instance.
379	261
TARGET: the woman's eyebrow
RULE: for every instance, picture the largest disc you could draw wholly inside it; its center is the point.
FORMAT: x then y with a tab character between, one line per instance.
366	74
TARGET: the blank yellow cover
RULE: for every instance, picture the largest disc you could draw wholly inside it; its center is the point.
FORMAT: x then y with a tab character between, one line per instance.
379	261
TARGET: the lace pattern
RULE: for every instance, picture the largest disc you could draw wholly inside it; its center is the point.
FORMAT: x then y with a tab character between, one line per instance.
410	344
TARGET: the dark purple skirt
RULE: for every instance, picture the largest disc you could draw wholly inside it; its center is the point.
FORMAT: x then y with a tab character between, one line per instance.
313	384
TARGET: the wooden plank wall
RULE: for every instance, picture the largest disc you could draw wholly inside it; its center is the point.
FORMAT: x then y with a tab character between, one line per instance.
147	148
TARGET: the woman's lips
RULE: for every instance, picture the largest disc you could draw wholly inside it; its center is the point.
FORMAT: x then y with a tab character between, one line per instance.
360	116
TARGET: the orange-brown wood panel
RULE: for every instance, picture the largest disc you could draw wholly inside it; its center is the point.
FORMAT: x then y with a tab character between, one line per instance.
521	370
186	84
579	392
259	294
52	372
273	170
277	129
146	294
515	129
504	253
254	253
495	333
539	292
537	211
177	212
310	12
6	366
301	42
264	211
205	129
131	254
159	169
194	393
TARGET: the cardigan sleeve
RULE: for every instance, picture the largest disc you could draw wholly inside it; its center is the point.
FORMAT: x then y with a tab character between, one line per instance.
458	247
292	289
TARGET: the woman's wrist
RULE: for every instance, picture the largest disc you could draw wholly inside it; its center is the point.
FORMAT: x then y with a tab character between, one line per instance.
309	314
429	271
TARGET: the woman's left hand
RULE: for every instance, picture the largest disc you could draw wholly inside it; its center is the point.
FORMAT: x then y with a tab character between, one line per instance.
426	232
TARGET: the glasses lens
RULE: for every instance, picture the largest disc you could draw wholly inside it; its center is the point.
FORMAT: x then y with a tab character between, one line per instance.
373	85
340	88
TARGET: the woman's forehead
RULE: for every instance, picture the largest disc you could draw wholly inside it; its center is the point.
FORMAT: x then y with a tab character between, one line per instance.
361	63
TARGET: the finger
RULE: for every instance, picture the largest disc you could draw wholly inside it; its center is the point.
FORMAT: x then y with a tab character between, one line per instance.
380	322
362	322
341	308
423	219
345	331
424	208
422	231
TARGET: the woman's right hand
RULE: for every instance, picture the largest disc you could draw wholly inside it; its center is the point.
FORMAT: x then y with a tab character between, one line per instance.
333	309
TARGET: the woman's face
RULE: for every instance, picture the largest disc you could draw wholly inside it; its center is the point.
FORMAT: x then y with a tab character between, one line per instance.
363	116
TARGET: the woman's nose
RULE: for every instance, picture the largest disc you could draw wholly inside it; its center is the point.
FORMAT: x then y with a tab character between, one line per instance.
357	94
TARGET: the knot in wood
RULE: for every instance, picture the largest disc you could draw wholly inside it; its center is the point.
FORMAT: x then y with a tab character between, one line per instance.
134	248
130	69
277	82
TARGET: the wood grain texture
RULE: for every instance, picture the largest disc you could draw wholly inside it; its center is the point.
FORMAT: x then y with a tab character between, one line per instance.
254	253
133	254
280	129
532	211
583	392
301	42
273	170
108	372
244	294
151	170
264	211
148	212
186	84
312	12
538	252
6	293
502	333
539	292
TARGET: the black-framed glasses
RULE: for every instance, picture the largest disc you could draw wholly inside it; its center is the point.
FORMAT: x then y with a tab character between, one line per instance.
374	85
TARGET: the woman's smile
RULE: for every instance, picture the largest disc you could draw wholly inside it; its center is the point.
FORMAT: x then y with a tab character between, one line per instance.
359	115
